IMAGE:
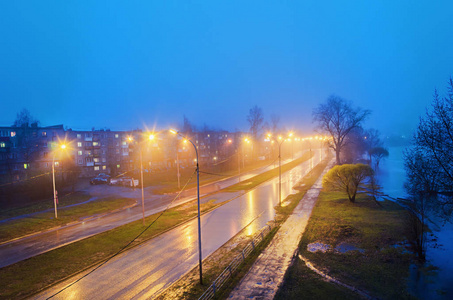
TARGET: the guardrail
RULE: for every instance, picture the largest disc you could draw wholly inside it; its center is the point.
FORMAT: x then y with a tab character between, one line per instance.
228	272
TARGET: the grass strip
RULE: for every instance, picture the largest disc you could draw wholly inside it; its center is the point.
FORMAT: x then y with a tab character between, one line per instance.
46	220
167	181
381	269
257	180
39	206
188	287
30	276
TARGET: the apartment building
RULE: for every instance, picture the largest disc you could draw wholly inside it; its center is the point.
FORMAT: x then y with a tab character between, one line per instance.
24	149
30	150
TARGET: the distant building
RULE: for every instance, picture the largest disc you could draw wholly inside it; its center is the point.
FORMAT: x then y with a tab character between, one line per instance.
23	149
101	151
27	151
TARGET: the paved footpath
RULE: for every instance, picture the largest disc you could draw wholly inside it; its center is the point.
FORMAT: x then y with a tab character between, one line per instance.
266	275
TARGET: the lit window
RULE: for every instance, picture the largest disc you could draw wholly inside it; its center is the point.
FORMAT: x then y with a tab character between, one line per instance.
2	145
79	152
13	133
124	143
44	133
79	136
116	136
79	144
117	166
96	168
96	160
25	166
57	163
104	167
95	144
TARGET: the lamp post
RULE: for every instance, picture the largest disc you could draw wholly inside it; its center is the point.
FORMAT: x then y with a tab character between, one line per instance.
279	141
62	146
292	144
198	203
131	139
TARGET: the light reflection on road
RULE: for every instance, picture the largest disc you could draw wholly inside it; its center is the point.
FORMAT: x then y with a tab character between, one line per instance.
145	271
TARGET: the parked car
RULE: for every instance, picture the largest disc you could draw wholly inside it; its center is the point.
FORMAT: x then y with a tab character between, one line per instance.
123	181
99	180
103	175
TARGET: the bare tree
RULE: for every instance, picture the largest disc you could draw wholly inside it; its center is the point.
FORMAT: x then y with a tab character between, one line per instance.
255	119
354	146
275	120
25	119
372	140
378	153
429	169
187	127
337	118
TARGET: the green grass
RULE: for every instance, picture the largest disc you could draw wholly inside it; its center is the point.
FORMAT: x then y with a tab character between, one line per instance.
302	283
38	206
263	177
27	277
46	220
381	270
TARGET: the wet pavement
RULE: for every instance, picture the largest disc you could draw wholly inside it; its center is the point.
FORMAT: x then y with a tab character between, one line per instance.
35	244
266	275
146	270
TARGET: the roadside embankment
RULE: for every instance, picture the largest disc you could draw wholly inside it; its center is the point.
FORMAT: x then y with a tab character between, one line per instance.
360	244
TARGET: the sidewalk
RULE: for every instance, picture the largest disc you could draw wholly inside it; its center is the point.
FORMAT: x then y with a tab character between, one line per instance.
266	275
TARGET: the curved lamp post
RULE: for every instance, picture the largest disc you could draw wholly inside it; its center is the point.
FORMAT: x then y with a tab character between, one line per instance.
198	202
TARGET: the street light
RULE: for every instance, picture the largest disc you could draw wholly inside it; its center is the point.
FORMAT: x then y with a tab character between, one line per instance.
198	202
151	137
62	147
246	141
279	141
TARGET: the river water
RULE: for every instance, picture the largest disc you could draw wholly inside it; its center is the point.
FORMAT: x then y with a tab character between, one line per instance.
424	285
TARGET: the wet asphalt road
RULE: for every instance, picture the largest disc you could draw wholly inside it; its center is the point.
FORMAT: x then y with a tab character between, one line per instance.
36	244
145	271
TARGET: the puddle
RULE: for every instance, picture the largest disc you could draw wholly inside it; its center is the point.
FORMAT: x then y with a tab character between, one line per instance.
345	247
314	247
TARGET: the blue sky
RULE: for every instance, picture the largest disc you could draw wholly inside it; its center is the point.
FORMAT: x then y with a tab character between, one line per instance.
130	64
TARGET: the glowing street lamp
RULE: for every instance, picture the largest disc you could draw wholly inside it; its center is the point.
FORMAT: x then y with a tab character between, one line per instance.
279	141
198	202
151	137
60	147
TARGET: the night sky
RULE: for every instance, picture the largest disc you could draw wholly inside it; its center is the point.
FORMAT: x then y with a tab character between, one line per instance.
130	64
